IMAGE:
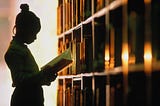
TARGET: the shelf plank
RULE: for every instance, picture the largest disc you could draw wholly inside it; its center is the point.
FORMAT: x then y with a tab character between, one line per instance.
114	71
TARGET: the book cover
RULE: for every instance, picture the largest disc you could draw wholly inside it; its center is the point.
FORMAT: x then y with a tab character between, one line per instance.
60	62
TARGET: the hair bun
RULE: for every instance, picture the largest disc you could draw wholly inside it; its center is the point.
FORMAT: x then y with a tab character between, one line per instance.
24	7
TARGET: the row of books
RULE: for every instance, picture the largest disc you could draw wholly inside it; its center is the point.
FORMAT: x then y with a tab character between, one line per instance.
88	51
72	12
74	93
90	42
77	51
109	28
109	90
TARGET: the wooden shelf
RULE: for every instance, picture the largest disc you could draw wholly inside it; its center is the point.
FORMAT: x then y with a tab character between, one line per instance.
98	34
113	5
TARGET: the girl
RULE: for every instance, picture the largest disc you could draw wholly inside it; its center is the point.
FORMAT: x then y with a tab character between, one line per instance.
26	77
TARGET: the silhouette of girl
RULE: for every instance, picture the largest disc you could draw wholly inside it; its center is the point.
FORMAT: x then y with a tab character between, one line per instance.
26	76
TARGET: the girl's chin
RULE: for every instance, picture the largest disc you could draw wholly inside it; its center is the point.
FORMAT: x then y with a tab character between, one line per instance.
29	42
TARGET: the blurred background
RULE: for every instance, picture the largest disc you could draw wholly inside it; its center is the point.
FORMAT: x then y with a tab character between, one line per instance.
43	49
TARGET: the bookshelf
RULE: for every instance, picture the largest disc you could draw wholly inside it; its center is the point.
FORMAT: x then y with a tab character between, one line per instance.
108	40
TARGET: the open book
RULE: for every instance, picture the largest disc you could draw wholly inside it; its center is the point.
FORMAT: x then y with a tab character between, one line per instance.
60	62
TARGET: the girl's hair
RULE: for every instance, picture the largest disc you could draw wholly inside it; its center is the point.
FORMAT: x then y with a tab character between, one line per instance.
26	20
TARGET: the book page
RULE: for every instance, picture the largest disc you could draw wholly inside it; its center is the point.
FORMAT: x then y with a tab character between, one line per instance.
59	62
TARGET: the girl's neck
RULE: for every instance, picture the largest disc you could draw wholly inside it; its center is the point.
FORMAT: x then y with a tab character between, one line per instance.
18	39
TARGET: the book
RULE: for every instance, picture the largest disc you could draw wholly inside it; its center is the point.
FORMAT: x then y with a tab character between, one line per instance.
60	62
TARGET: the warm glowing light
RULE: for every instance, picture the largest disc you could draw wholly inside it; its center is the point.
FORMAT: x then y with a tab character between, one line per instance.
147	1
107	57
125	58
148	58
